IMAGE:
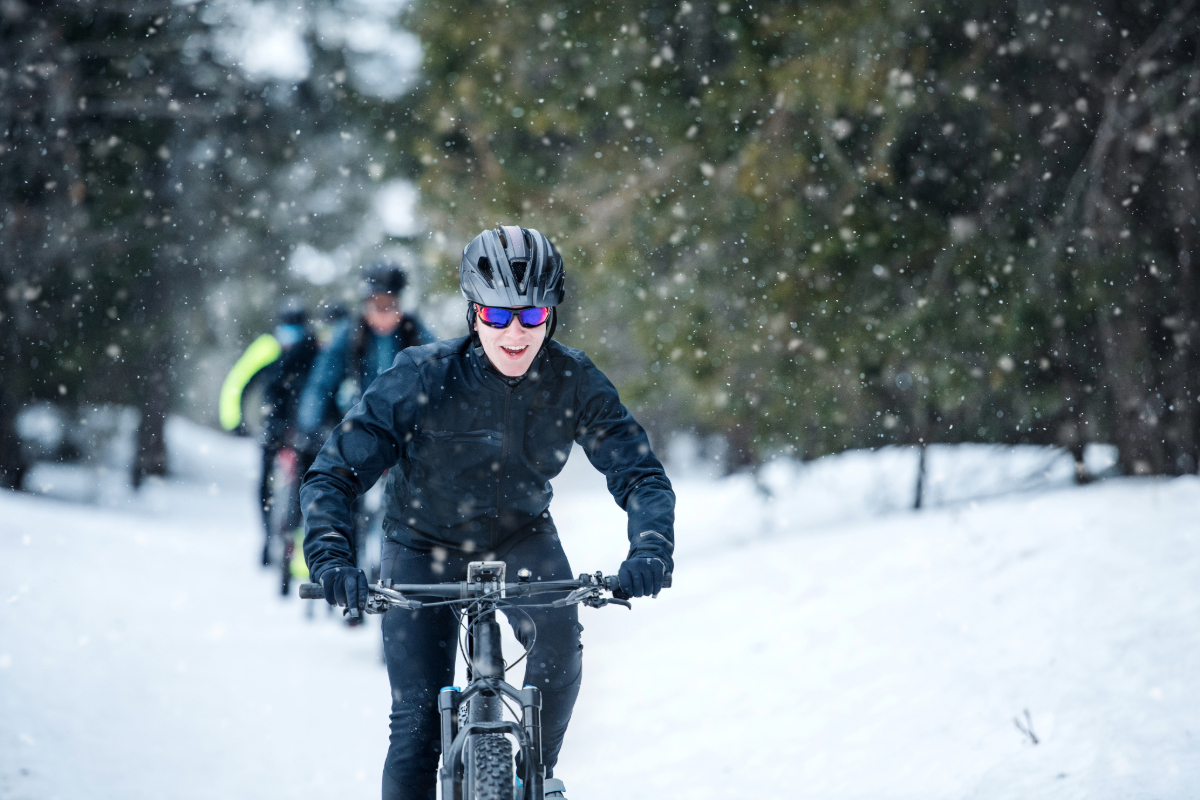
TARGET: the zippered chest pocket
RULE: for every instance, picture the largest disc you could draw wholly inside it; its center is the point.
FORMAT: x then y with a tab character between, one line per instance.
458	461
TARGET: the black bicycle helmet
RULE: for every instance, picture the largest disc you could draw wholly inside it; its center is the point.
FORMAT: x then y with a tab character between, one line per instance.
292	311
332	312
383	277
511	266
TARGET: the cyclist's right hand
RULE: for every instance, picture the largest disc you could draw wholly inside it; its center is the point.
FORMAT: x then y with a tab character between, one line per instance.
345	586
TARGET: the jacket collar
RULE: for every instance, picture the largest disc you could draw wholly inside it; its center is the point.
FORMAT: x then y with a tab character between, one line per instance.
539	370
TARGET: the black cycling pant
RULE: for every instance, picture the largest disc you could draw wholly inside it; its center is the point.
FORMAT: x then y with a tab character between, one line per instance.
421	647
266	486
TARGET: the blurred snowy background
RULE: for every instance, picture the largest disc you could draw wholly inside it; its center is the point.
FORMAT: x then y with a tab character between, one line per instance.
841	260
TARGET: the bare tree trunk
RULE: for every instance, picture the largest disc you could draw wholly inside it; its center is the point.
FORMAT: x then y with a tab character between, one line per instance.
1180	379
1136	405
150	457
12	461
15	244
741	447
919	496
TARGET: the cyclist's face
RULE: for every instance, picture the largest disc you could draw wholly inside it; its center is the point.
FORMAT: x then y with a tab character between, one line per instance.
511	350
382	313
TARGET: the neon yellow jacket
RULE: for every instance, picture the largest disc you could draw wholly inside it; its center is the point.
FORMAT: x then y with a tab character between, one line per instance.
262	351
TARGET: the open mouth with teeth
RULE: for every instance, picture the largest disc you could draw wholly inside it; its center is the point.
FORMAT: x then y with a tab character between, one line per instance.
514	352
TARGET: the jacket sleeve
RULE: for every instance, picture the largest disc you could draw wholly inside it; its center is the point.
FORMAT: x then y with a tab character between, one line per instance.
368	441
261	352
618	446
327	373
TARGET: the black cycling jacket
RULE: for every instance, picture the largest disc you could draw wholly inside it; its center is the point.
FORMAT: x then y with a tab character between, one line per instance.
471	454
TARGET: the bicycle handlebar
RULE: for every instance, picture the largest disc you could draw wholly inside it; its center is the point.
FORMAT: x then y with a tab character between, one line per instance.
462	590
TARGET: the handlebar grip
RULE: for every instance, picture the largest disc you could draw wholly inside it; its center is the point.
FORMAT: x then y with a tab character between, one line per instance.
312	591
612	583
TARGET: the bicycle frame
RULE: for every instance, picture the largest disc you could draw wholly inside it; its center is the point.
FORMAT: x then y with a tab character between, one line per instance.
486	685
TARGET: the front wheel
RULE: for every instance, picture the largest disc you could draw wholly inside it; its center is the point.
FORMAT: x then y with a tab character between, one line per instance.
492	767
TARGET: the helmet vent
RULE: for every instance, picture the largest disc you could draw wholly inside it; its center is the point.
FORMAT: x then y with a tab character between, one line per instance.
519	268
485	269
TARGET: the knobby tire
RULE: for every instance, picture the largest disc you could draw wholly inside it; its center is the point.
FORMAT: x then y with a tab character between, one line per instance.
492	767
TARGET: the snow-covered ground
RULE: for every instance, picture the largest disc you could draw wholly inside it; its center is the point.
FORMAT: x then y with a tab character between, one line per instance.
821	640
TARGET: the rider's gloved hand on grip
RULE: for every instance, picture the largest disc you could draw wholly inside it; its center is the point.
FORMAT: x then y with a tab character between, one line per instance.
641	576
345	586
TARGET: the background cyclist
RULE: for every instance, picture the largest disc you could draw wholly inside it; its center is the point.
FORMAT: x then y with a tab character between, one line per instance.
358	349
281	361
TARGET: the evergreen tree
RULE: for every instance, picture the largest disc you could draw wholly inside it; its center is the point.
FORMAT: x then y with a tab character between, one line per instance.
158	191
827	226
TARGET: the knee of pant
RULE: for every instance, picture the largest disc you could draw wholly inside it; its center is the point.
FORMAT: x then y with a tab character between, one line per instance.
414	744
557	664
406	786
415	709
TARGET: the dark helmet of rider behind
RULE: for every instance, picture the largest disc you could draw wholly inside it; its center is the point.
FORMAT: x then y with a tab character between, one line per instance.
510	266
383	277
292	311
332	312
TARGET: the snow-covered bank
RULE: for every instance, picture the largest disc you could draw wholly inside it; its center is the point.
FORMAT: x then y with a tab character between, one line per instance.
889	659
803	651
144	654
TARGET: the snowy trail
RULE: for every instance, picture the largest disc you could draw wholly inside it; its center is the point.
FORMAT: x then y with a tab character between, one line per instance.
146	655
143	654
889	658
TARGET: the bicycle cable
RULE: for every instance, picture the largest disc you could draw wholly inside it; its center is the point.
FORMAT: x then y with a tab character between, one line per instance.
529	649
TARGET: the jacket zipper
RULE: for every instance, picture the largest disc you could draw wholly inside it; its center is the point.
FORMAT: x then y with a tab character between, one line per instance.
508	394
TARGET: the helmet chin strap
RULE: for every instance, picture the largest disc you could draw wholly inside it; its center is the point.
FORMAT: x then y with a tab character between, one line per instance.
474	334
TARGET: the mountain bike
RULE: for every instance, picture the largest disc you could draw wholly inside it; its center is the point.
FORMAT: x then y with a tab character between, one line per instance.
285	519
477	753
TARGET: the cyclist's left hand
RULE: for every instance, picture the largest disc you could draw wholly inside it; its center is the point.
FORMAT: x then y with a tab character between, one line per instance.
641	576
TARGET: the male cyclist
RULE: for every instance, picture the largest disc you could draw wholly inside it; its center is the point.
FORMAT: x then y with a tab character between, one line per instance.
357	351
473	430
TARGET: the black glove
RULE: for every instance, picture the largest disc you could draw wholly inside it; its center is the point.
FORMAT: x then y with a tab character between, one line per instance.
641	576
345	586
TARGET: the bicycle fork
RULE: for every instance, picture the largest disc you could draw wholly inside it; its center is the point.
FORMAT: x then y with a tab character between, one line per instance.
485	685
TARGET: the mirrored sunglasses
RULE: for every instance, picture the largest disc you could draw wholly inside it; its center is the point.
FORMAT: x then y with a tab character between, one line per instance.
501	317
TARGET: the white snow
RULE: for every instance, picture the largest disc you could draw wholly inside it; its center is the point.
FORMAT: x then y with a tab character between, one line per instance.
265	39
396	205
320	269
821	640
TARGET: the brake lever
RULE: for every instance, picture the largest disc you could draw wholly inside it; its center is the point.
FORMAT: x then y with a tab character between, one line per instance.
390	598
577	596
